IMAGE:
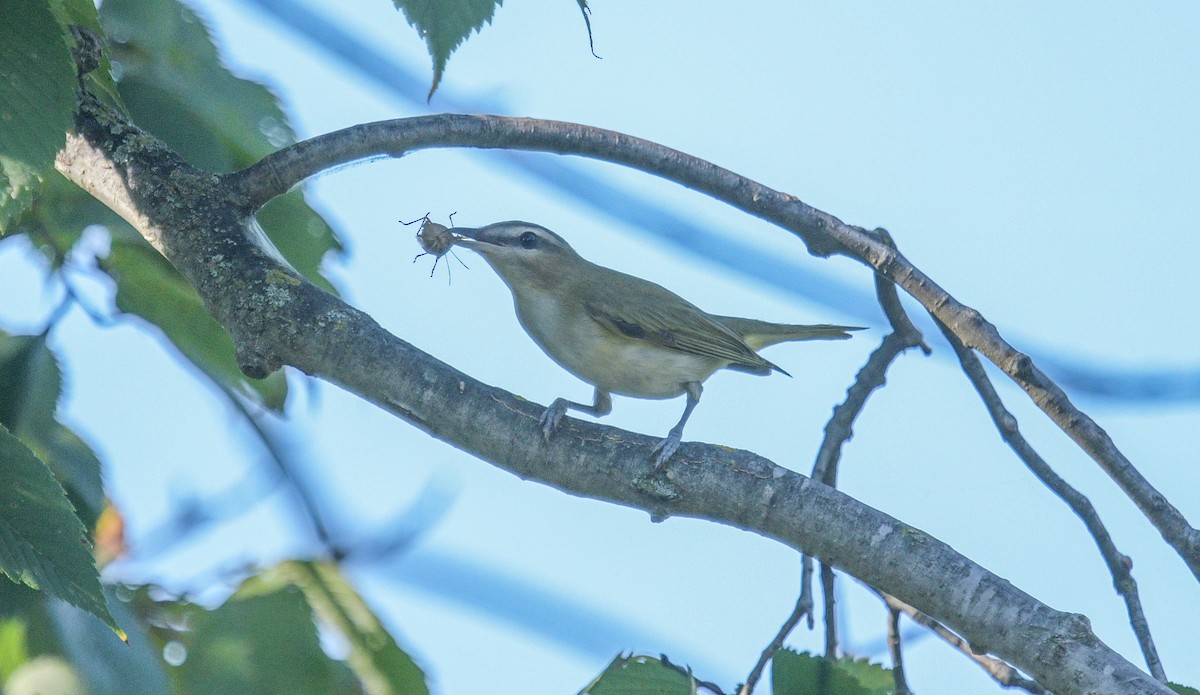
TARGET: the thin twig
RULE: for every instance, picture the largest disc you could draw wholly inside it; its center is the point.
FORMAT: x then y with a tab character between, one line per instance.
308	504
190	515
1119	565
840	427
1003	673
61	263
802	608
806	592
893	642
831	624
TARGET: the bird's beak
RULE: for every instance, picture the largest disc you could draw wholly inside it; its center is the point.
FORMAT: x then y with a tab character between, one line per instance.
468	236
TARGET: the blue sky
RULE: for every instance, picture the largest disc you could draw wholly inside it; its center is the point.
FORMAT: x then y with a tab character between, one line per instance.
1039	162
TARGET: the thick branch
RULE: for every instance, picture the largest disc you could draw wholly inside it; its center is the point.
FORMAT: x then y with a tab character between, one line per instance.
276	317
1004	674
823	233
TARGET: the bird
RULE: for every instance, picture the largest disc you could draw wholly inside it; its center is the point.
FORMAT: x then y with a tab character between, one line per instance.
619	333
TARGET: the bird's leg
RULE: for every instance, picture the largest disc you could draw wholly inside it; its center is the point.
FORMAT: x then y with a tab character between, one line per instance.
601	406
666	448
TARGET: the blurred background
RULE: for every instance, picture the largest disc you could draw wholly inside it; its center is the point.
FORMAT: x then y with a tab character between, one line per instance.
1040	163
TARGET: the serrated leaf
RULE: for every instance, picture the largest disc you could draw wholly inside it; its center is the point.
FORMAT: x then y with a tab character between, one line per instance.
876	679
30	387
43	545
176	87
793	673
150	287
30	383
381	666
261	643
444	25
37	102
641	675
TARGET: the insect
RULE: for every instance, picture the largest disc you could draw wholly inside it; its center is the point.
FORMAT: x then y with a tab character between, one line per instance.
436	240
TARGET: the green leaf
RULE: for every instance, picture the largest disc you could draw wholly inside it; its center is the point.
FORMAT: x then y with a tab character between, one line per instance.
150	287
30	388
1183	689
43	545
381	666
444	25
641	675
876	679
301	235
37	102
177	88
261	643
794	673
30	383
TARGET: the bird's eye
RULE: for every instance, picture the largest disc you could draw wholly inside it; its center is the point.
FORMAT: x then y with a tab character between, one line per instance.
529	240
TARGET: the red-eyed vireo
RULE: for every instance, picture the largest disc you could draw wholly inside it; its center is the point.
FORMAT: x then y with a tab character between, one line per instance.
619	333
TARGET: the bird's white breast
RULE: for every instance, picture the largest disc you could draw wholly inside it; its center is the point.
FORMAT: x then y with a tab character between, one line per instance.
610	362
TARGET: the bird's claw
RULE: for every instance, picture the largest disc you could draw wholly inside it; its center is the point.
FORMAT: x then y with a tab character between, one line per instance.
665	449
550	419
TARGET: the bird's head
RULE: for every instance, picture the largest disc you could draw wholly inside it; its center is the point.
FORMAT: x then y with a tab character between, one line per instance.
520	252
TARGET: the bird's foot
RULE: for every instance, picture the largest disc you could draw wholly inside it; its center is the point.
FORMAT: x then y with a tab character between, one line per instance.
666	449
550	419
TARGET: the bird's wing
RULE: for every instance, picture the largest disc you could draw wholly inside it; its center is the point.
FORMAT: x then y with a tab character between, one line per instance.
677	325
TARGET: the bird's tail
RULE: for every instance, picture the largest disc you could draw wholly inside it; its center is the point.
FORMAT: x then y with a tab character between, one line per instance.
760	334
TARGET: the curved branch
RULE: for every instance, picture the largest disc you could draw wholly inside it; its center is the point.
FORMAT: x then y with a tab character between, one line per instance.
821	232
275	317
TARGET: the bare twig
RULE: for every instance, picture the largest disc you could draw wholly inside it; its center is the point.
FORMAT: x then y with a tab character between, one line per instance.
237	499
308	504
840	427
1119	565
1003	673
893	642
806	602
823	234
828	594
61	263
802	608
190	515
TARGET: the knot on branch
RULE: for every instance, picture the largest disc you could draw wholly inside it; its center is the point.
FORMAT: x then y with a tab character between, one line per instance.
256	365
86	51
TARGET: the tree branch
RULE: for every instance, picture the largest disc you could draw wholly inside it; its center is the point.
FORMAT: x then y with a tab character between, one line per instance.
275	317
1119	565
1004	674
821	232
